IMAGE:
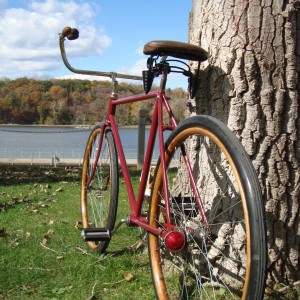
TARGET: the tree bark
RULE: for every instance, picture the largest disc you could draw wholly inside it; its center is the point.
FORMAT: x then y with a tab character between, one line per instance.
251	83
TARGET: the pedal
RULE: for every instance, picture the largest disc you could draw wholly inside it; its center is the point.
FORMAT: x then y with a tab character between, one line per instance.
95	234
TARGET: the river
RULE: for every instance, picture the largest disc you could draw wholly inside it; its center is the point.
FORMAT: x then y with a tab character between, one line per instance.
63	142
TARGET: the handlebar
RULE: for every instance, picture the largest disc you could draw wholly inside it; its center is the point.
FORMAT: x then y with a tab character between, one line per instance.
73	34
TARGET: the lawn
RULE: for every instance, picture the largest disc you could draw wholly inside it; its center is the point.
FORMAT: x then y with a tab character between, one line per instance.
42	255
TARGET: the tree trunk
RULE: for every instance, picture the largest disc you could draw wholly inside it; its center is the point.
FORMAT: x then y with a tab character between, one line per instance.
252	84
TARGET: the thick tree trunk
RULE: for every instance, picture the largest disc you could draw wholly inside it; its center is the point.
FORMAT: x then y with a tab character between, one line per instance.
252	83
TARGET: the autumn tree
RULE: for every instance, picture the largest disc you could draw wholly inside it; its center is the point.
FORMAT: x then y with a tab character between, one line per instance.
66	101
251	82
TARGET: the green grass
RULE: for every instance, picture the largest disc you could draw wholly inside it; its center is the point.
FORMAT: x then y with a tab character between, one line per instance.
42	255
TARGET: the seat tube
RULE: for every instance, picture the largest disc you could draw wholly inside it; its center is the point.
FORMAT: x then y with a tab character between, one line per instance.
161	141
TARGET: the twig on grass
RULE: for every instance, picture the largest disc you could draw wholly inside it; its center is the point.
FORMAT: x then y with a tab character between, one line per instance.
128	277
50	248
83	251
114	283
282	290
93	297
37	269
291	286
131	249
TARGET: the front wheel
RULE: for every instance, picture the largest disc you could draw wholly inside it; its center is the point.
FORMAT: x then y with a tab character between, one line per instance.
224	257
99	185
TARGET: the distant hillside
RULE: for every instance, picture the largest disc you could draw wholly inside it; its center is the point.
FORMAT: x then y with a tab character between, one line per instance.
29	101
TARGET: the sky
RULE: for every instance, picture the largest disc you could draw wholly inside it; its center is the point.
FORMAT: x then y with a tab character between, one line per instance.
112	35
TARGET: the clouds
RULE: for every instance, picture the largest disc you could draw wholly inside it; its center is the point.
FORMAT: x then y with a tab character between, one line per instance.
29	35
136	69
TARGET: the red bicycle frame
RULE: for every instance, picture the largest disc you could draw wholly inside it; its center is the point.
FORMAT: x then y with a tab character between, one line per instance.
136	216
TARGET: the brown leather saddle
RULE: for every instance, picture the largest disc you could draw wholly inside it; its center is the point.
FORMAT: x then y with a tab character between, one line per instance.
176	49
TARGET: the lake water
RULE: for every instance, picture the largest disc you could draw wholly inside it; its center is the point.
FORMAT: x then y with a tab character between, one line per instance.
62	142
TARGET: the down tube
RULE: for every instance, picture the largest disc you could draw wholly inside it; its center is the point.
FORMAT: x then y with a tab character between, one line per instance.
123	163
147	162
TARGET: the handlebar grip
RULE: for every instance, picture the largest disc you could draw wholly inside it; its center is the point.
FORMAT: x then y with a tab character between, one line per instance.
70	33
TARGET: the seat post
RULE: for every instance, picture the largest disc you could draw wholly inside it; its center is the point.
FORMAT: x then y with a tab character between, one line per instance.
165	72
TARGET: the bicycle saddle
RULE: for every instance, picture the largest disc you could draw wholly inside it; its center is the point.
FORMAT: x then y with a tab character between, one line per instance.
176	49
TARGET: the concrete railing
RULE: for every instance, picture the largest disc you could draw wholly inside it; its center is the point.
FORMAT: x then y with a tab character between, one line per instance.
54	157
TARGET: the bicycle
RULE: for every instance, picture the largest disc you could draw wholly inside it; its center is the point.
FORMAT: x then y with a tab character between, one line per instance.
205	222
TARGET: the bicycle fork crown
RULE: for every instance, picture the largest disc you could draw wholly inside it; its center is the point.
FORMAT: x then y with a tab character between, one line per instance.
175	240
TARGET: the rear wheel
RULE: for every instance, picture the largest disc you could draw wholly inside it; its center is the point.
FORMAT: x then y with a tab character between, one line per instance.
99	186
224	259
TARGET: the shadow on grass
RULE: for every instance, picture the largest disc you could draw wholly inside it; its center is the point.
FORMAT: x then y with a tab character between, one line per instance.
10	175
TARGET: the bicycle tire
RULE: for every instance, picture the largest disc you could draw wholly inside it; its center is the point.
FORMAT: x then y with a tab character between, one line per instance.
99	201
227	261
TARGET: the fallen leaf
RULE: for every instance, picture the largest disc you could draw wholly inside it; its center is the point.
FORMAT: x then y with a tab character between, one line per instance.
27	234
128	277
60	257
3	232
59	291
11	202
15	244
49	232
59	190
78	225
51	222
44	241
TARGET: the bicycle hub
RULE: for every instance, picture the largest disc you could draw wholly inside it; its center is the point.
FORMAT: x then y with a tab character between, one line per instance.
175	240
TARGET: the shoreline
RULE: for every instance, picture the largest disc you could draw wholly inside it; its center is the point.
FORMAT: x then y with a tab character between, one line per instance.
67	126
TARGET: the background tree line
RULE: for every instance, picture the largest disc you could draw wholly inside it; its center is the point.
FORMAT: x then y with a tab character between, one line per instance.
53	102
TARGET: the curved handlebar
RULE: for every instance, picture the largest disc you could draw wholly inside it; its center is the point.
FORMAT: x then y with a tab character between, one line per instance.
73	34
